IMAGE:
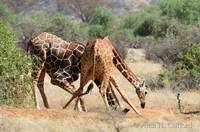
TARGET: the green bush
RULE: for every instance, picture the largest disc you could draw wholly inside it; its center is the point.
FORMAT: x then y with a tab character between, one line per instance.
96	31
66	28
5	13
149	21
143	22
189	62
166	50
101	22
185	74
15	82
187	11
27	26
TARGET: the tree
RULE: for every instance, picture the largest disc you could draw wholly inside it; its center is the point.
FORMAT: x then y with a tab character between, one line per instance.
5	13
83	9
100	24
19	5
187	11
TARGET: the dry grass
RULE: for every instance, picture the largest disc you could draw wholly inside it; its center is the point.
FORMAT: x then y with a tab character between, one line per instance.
161	113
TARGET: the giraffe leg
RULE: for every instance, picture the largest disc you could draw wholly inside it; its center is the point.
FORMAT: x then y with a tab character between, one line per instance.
77	105
75	95
36	99
83	81
102	90
112	98
36	74
123	97
79	101
40	85
78	94
70	89
117	99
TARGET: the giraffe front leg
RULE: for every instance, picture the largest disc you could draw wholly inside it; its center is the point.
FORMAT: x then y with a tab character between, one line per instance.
77	105
37	70
40	85
70	89
35	94
75	95
124	97
80	105
83	81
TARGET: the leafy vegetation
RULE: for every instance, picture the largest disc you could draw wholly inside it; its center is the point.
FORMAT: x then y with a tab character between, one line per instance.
185	11
187	67
100	24
15	82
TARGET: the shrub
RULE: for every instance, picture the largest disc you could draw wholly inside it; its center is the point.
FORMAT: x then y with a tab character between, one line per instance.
143	22
187	11
149	21
166	50
68	29
97	31
101	22
27	26
186	71
5	13
15	82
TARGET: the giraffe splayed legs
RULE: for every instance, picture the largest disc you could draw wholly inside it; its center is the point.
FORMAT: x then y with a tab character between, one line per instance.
97	64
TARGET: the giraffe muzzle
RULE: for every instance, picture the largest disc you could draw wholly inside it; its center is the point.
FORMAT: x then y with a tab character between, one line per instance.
143	105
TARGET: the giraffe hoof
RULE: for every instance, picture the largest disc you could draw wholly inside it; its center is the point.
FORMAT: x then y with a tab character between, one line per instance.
126	110
143	105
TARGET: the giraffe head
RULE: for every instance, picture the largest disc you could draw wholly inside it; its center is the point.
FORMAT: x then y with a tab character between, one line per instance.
141	92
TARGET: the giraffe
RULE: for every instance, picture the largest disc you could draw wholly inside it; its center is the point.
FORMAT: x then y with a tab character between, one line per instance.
61	61
97	63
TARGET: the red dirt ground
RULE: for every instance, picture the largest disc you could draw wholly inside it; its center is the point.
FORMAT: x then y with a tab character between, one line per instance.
61	114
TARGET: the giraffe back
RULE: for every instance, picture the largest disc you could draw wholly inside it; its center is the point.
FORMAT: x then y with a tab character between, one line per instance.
56	54
98	56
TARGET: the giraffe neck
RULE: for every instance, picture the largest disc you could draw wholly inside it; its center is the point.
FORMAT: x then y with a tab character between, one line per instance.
124	69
